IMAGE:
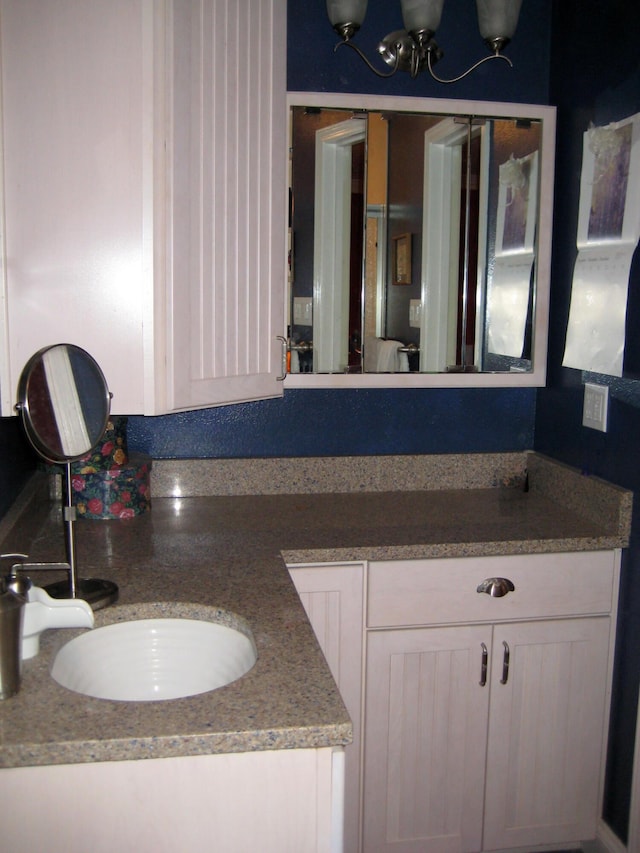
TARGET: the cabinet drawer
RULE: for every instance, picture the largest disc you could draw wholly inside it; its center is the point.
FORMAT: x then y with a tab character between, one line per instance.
428	592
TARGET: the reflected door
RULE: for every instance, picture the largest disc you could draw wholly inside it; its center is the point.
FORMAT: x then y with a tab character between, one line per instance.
333	261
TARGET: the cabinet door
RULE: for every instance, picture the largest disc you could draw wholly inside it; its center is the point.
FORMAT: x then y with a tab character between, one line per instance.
144	153
426	727
271	801
226	189
76	104
332	598
546	732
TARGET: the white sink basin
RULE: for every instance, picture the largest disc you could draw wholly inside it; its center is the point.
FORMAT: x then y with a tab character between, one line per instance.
147	660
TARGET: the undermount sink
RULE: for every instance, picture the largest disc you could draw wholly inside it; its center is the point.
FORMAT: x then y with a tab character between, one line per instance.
149	660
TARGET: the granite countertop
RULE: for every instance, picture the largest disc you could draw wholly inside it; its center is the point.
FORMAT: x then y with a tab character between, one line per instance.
228	550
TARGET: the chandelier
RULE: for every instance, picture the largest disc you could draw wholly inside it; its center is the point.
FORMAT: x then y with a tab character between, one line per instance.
414	49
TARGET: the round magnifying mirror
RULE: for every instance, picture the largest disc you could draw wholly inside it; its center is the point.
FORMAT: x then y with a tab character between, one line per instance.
64	402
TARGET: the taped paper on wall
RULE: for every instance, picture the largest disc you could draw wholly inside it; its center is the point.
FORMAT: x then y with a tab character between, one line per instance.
510	285
608	232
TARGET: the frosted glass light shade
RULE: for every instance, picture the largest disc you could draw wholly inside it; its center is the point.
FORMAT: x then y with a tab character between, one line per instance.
421	14
498	18
346	11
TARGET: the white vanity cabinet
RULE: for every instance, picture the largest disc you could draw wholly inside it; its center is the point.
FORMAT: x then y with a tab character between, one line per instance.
143	213
268	801
332	596
486	716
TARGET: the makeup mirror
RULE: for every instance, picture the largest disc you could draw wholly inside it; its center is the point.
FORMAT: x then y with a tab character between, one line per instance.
64	403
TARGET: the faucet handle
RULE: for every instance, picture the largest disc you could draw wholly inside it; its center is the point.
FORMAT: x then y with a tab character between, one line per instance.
19	557
22	585
19	585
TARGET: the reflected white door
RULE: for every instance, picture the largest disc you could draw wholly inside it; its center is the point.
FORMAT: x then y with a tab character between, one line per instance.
332	241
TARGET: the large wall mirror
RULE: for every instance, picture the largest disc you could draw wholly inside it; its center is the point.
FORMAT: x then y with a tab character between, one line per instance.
419	241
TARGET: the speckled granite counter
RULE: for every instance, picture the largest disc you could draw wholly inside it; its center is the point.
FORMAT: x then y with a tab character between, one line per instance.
227	550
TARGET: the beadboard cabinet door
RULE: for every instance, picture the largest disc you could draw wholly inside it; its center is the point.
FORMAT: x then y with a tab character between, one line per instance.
545	747
425	736
459	759
143	212
332	598
273	801
225	214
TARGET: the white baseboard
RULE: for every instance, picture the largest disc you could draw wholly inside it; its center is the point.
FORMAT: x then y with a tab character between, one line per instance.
606	841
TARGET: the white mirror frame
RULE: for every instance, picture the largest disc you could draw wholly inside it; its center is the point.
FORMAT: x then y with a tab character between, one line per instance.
444	106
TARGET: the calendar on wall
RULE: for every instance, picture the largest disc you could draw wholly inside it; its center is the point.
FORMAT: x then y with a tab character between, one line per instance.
510	284
608	232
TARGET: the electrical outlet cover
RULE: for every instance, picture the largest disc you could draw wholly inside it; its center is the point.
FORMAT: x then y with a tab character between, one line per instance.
596	405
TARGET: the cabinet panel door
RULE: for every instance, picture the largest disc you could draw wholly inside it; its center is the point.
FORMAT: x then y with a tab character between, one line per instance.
273	801
226	217
332	599
75	99
426	728
546	732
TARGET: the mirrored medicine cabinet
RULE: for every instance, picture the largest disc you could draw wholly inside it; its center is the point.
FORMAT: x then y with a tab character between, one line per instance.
419	241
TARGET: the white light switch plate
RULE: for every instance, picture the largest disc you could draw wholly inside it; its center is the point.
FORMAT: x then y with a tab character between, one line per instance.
302	311
596	405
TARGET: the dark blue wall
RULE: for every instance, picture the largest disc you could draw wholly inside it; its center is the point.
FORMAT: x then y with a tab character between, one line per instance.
596	78
17	461
312	65
340	423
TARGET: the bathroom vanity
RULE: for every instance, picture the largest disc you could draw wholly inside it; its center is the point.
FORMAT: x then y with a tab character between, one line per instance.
483	722
392	550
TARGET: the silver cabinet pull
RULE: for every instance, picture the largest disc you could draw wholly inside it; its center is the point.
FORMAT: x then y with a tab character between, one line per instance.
283	375
483	666
505	663
496	587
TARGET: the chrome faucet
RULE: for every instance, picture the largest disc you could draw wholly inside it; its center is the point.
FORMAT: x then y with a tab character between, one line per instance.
21	585
41	611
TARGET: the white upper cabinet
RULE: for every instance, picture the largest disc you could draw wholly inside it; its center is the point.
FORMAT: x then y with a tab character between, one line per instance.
143	195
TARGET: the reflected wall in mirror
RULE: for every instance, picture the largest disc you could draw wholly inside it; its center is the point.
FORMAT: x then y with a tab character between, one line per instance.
419	241
64	402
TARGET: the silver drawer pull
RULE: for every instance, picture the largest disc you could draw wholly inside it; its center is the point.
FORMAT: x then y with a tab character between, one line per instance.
496	587
283	343
505	663
483	666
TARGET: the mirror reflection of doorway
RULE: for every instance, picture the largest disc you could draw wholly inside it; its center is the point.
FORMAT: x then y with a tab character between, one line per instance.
452	231
339	244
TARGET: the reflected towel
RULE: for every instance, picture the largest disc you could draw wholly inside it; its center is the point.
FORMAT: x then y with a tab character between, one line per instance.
390	359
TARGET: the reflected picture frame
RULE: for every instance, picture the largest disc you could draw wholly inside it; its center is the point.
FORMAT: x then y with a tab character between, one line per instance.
401	259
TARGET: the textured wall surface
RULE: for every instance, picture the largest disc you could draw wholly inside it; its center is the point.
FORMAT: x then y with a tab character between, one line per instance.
312	65
340	423
596	78
16	461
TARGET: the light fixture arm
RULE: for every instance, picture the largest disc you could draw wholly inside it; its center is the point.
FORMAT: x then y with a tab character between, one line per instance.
469	70
347	43
414	52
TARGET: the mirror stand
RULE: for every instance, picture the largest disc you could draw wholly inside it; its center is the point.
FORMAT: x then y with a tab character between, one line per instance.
96	592
64	403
